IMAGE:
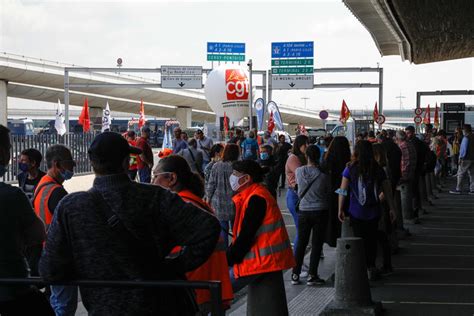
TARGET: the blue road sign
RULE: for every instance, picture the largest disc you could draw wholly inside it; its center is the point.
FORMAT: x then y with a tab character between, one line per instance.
292	49
229	48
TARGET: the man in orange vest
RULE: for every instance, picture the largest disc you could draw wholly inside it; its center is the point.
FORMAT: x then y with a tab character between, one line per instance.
48	194
261	249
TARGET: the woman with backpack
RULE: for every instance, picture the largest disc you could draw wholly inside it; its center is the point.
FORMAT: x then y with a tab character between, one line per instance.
365	180
313	208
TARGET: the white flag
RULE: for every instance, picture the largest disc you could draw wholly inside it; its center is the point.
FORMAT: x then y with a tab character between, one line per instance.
106	118
59	123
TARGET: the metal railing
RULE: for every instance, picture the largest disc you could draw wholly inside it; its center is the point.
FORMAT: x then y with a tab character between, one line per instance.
77	143
214	287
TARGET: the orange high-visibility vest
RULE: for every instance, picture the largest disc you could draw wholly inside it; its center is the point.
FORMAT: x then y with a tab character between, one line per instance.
43	192
271	250
216	267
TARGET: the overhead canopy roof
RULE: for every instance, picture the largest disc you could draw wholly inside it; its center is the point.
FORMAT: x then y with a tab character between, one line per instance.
420	31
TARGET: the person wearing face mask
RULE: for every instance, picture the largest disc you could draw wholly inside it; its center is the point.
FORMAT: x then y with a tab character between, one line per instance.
268	160
261	249
30	175
174	173
20	227
48	194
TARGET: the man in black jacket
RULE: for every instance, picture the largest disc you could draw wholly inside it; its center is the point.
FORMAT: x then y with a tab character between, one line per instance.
419	181
122	230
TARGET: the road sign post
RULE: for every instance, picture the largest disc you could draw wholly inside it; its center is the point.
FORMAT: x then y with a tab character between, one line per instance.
181	77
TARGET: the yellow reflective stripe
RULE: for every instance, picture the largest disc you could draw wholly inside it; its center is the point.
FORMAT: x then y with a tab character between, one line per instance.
270	227
269	250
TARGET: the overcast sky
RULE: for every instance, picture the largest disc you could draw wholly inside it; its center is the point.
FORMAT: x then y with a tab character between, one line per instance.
154	33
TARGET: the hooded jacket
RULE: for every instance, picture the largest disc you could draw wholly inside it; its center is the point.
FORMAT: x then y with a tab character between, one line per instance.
317	197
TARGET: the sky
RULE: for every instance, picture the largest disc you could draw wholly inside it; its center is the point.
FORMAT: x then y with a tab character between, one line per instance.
155	33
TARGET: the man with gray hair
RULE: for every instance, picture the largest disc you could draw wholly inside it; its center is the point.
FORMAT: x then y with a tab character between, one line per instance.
466	160
407	168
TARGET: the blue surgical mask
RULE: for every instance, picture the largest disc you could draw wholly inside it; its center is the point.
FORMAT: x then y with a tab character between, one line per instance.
66	174
23	166
264	156
3	170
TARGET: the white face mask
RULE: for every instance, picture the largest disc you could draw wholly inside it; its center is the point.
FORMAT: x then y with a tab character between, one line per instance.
234	182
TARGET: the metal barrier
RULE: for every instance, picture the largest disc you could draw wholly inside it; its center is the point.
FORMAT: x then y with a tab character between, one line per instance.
78	143
214	287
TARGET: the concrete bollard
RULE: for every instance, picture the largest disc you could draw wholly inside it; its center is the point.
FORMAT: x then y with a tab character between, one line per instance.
352	285
346	229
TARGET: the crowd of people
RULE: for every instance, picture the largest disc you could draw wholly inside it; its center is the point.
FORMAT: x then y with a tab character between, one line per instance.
208	211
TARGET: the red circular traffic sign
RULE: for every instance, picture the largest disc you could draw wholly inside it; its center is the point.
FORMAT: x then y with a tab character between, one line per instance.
381	119
418	111
417	120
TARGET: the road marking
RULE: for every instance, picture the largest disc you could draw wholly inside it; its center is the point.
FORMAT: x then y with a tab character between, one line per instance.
446	236
441	228
444	245
429	303
459	269
431	284
422	255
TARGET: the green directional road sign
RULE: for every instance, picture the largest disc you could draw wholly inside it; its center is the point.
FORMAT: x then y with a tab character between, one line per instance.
292	62
292	70
224	57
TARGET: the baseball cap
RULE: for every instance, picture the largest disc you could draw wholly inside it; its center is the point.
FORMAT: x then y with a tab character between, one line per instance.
111	146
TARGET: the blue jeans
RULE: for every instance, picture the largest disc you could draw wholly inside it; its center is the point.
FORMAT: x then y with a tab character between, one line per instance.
291	201
145	174
64	300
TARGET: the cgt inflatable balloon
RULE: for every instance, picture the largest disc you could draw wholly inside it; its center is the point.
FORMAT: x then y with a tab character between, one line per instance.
227	90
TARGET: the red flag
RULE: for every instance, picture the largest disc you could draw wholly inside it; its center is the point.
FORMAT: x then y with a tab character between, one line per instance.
84	118
376	112
226	124
271	122
142	119
345	113
436	116
427	116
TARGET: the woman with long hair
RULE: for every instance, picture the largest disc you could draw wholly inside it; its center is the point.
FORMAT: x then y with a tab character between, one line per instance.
173	173
296	159
385	232
313	192
334	163
366	180
260	250
215	154
218	190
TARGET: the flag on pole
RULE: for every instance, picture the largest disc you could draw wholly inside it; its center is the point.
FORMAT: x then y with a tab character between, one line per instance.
226	125
436	116
59	123
106	118
427	116
142	119
345	113
376	112
272	107
271	123
84	118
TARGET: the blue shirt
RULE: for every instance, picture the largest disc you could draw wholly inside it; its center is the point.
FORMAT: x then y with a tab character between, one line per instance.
179	144
464	145
249	149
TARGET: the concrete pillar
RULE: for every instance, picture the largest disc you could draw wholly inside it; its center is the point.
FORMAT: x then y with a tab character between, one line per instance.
95	114
353	295
3	102
183	115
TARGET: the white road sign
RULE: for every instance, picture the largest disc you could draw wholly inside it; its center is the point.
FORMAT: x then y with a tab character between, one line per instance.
181	82
292	82
181	70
